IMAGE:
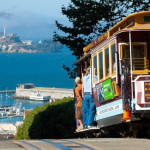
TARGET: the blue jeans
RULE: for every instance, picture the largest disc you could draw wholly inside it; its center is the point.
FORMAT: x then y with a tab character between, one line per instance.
88	110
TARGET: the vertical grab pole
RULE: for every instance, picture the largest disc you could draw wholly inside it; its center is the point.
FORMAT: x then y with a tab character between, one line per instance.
131	67
82	85
90	80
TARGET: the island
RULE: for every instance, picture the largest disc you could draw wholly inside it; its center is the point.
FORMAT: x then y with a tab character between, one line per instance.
11	43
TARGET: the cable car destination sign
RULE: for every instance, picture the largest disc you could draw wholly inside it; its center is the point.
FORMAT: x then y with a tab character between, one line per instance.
96	42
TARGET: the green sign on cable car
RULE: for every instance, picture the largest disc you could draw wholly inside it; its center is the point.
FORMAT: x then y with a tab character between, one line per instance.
107	89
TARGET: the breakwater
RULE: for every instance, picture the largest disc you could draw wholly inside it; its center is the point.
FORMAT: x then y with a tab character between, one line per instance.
53	93
7	91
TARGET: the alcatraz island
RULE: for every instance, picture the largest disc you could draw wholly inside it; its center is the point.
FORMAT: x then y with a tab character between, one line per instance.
11	43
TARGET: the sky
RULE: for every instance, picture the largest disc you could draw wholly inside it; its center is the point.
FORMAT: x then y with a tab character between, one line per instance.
31	19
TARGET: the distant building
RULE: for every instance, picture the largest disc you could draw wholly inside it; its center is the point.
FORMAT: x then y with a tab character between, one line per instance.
12	35
40	42
27	42
3	36
26	86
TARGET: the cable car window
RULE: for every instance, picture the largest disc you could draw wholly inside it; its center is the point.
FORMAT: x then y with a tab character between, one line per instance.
113	50
107	61
138	56
101	65
126	51
138	51
95	67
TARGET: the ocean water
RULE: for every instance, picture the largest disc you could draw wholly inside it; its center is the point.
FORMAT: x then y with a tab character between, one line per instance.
42	69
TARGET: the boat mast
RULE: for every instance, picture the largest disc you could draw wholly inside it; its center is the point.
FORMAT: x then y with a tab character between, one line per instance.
6	97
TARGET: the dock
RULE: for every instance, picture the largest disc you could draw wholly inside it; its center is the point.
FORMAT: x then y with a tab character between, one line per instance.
7	91
24	91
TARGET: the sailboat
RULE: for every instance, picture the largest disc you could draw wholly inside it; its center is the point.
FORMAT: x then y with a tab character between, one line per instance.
9	111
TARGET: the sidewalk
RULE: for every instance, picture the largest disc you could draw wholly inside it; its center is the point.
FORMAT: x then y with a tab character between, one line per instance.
9	128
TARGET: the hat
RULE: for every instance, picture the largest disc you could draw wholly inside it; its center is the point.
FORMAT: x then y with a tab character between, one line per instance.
77	80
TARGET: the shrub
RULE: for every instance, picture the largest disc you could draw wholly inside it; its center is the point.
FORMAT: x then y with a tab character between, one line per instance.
54	120
18	135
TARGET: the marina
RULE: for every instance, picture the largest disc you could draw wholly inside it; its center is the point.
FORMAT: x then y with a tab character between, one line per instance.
27	97
10	111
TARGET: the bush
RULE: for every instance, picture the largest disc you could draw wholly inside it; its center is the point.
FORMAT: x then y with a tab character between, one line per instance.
18	135
54	120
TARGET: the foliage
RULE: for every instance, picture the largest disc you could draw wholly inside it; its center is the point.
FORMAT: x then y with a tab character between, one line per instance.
83	15
90	18
54	120
71	73
18	135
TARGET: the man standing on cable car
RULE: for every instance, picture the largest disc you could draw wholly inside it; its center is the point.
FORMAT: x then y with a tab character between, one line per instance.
88	105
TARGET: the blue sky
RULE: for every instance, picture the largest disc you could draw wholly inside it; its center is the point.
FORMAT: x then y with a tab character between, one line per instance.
49	8
31	19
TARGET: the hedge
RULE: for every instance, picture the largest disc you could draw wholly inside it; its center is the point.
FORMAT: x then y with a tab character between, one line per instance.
53	120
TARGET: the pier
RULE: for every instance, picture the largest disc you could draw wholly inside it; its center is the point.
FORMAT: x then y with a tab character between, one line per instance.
7	91
26	90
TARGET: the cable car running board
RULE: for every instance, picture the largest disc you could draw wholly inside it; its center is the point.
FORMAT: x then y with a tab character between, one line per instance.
88	130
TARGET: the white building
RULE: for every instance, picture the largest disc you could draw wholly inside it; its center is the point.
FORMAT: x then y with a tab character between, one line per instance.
27	42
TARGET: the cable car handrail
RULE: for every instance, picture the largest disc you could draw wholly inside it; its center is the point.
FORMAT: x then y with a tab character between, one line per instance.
143	64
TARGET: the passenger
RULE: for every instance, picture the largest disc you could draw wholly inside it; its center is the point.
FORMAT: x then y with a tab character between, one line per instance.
78	94
88	105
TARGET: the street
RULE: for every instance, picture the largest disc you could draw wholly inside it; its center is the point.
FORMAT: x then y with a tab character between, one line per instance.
77	144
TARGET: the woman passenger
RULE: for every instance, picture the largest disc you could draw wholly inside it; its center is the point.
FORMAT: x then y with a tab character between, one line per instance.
78	94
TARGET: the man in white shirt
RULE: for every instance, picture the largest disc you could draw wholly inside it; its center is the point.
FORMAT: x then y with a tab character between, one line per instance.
88	105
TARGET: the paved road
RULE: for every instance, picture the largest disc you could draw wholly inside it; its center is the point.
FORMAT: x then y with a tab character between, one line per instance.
77	144
9	145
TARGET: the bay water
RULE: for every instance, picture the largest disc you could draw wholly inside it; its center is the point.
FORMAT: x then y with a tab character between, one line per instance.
41	69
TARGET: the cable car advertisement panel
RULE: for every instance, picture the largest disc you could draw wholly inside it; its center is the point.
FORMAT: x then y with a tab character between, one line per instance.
107	89
103	91
98	94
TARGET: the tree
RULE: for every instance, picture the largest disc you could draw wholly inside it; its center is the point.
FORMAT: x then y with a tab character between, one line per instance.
90	18
84	15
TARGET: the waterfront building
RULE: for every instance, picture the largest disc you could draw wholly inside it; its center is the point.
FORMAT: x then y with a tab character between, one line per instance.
25	90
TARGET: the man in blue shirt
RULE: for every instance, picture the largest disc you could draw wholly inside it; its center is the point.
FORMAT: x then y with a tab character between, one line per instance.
88	105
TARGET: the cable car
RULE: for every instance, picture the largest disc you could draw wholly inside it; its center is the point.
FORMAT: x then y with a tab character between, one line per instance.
120	59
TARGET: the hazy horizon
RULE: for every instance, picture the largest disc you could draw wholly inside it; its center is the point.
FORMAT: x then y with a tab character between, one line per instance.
31	20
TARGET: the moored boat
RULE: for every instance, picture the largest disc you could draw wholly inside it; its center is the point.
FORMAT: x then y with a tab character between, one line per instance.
10	111
39	97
